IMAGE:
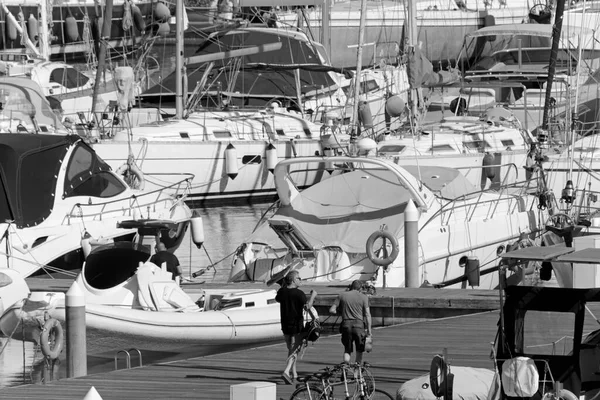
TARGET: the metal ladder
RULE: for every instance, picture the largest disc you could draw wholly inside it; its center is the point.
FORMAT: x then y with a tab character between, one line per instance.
127	354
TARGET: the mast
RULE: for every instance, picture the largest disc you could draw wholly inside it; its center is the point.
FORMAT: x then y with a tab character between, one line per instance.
361	38
411	48
556	32
179	59
106	25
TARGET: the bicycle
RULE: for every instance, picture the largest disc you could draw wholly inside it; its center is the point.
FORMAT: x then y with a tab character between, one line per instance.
321	385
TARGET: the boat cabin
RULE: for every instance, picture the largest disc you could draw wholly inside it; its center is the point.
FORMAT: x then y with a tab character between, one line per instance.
551	333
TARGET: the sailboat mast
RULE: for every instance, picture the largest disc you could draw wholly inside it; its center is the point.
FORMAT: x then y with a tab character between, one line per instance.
105	35
179	59
412	35
361	38
556	32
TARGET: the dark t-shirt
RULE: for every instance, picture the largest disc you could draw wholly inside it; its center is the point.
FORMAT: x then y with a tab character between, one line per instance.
172	262
291	307
353	305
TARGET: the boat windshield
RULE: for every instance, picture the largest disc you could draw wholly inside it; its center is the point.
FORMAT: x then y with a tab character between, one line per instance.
22	108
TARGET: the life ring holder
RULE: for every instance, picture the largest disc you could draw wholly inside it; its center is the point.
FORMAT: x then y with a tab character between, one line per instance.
52	351
438	376
384	234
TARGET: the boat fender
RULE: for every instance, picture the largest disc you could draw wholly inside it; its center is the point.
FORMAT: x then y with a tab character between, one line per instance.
488	166
161	12
163	29
271	157
472	270
395	106
32	27
11	29
385	235
71	28
197	229
52	351
364	115
231	168
138	18
438	376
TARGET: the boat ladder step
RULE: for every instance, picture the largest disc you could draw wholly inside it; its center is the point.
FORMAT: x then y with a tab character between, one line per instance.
127	356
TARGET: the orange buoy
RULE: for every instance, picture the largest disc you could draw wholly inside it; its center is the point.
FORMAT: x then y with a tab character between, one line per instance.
11	29
71	30
32	27
138	18
163	29
161	12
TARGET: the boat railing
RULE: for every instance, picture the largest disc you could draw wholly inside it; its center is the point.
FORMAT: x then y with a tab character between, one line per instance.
145	201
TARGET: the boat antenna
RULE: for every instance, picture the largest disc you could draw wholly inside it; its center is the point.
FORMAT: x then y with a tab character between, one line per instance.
556	32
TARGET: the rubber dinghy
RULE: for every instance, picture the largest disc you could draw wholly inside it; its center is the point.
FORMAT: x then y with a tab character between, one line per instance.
125	295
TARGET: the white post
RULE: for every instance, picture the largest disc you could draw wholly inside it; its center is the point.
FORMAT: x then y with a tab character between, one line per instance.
411	245
76	331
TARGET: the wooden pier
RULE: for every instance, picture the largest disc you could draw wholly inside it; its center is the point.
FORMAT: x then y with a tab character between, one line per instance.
459	320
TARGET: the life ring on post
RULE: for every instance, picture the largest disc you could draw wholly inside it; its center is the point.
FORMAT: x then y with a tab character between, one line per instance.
371	253
52	349
438	376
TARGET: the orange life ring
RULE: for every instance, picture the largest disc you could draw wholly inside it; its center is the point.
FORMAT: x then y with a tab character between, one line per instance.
438	376
371	254
52	350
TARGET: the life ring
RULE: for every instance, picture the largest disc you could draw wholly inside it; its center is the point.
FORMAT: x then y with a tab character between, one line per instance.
52	350
438	376
371	254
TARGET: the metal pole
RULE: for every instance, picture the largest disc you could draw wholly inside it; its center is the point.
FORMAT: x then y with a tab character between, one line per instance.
361	37
411	245
179	59
106	27
76	331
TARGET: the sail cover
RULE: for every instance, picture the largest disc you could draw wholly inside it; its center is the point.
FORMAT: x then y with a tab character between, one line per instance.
259	75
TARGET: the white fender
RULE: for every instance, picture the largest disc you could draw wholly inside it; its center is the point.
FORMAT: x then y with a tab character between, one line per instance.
197	229
271	157
231	168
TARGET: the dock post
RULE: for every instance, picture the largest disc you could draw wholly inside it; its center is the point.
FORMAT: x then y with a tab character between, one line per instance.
411	245
76	332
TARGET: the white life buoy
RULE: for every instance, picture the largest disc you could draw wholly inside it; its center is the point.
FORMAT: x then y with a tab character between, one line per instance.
386	235
231	168
271	157
52	349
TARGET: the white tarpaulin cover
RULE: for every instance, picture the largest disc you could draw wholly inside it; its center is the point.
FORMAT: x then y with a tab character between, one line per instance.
469	384
520	377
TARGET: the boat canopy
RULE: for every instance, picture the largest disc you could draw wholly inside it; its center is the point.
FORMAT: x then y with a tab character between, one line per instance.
268	74
22	98
541	30
29	171
345	209
110	265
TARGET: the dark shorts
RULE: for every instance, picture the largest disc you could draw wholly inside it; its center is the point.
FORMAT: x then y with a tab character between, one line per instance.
353	333
292	328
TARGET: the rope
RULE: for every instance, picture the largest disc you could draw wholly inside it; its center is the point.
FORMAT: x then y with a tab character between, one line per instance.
127	18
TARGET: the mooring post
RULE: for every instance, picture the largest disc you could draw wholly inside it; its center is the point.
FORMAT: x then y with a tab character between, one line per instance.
411	245
76	331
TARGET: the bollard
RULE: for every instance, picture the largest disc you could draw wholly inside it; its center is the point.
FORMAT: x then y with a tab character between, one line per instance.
76	331
411	245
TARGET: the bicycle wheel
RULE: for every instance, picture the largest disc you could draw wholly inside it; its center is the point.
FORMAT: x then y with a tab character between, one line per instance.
302	393
379	394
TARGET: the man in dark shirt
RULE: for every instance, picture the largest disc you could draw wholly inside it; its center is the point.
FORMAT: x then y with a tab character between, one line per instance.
356	316
162	255
292	302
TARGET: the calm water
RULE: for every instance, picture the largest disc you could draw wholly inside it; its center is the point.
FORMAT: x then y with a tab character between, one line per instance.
225	228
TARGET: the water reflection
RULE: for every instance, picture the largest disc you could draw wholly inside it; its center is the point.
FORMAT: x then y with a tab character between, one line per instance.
225	228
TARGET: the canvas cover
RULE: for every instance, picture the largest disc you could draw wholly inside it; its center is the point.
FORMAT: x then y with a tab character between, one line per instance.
520	377
345	209
469	384
29	169
269	74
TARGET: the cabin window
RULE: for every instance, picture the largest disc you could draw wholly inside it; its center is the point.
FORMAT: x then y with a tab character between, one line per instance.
68	77
280	132
394	148
101	184
477	144
368	86
548	333
439	148
586	149
254	159
222	134
307	132
85	179
507	142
